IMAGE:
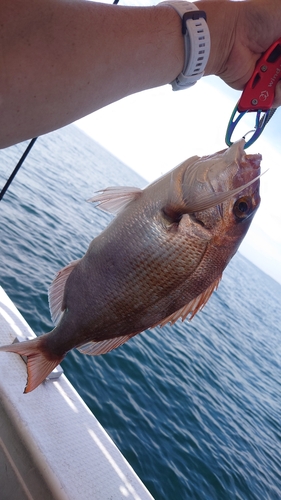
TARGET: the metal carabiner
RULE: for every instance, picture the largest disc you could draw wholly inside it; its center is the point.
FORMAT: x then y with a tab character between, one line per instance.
262	118
258	94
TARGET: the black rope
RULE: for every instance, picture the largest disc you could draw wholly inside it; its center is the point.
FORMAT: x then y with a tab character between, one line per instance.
17	167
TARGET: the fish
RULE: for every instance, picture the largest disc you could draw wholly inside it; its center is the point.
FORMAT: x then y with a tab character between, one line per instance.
159	259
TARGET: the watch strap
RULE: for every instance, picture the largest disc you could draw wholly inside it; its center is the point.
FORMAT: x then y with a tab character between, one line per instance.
197	43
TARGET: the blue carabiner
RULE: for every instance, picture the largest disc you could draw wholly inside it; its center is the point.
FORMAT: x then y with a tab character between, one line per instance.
258	94
262	118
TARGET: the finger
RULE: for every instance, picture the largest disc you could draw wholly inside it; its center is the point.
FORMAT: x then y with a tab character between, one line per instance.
277	97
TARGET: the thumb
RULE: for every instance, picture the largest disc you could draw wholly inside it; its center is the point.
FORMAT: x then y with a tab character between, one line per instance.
277	98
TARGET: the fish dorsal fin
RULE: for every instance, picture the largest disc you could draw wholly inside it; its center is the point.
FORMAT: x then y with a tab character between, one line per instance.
56	290
193	306
97	348
115	199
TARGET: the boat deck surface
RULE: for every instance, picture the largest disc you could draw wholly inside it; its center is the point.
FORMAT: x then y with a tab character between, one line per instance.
51	445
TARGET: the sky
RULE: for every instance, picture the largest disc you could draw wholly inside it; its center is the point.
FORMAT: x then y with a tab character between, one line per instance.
153	131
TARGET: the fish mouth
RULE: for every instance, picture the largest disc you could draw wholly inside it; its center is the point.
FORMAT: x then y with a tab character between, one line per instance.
223	175
249	170
246	171
245	174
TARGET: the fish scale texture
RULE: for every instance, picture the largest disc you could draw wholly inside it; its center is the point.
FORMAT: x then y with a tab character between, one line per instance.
164	249
72	451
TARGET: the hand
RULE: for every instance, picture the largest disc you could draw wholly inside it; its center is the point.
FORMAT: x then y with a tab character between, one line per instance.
240	33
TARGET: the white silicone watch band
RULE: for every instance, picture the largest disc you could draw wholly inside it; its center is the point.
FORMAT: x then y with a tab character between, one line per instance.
197	43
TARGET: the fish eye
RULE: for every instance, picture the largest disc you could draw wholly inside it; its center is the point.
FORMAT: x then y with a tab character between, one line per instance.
242	207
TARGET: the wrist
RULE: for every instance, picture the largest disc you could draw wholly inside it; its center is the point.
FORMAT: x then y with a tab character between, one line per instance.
221	19
196	36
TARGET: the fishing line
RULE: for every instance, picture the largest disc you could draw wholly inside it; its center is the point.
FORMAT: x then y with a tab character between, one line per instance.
17	167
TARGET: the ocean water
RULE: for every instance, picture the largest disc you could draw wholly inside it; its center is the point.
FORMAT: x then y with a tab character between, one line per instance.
195	408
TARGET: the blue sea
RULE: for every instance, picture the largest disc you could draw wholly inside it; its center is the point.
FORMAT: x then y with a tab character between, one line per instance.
196	407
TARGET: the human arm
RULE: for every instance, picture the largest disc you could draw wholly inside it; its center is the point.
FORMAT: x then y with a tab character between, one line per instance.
63	59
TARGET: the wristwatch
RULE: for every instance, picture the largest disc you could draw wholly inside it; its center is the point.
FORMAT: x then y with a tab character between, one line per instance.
197	43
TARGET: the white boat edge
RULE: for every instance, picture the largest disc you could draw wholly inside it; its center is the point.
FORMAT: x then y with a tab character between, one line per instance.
51	445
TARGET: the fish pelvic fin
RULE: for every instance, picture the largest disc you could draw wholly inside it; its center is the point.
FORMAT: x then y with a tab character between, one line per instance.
39	366
115	199
56	291
193	307
97	348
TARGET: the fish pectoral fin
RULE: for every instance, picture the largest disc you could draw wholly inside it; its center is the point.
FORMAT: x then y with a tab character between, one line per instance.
208	200
56	291
193	307
38	364
197	202
104	346
115	199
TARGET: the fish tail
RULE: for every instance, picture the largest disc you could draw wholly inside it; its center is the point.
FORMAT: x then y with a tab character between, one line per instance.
39	363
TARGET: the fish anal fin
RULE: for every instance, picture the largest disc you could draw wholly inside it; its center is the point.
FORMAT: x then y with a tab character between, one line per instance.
115	199
193	307
38	364
56	290
104	346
